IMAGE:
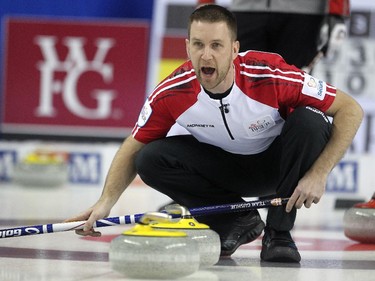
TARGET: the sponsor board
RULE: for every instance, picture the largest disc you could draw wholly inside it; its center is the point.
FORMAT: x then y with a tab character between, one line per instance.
87	163
353	176
76	78
85	168
344	177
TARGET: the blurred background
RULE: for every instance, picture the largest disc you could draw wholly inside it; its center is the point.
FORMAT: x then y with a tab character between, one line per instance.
74	75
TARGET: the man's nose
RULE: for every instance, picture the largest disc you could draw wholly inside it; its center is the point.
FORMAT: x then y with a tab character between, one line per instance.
207	53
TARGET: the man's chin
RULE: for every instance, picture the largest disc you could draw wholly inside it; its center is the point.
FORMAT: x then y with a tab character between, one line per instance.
208	85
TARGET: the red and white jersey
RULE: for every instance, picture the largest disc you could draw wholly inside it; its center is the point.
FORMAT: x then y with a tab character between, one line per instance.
247	119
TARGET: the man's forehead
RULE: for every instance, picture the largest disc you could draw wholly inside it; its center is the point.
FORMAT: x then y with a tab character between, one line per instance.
217	30
202	23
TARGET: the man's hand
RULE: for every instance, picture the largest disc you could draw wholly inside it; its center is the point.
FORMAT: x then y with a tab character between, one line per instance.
308	191
97	212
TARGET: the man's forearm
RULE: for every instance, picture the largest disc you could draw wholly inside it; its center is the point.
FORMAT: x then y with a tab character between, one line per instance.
122	171
345	125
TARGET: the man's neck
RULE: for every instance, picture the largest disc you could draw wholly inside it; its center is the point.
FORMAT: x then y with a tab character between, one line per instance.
219	95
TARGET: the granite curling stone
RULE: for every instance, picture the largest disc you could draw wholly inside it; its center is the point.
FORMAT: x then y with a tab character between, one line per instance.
146	253
42	169
359	222
207	239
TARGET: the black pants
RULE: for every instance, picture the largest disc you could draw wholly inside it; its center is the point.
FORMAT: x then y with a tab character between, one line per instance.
196	174
294	36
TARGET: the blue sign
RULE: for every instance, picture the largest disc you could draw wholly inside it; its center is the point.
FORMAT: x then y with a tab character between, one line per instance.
343	178
85	168
7	162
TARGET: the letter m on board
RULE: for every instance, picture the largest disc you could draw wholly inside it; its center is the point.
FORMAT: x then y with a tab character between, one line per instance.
344	177
7	161
84	168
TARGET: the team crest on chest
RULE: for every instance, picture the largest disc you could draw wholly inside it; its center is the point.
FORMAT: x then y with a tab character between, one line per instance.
261	125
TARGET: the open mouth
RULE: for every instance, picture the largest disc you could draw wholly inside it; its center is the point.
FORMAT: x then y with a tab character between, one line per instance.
208	70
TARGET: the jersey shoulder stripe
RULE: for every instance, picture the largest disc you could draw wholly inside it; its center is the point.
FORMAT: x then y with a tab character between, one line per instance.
267	78
260	65
170	98
182	75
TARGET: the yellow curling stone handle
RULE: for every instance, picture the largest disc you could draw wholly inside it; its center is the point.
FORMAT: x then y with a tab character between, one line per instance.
186	221
144	228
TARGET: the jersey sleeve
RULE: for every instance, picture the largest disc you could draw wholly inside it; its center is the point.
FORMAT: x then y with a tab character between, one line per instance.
153	123
306	90
317	93
168	101
272	81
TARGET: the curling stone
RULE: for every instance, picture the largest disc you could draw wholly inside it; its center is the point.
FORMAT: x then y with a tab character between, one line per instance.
144	252
359	222
207	239
42	169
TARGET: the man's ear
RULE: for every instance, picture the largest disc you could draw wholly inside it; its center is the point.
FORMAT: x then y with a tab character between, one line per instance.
236	48
187	47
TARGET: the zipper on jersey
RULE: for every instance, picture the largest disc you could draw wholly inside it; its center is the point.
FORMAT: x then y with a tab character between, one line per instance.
224	110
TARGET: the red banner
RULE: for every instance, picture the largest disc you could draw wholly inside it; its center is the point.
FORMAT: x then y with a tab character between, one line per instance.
74	77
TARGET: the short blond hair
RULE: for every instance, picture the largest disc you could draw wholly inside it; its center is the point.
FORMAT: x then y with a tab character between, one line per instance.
214	13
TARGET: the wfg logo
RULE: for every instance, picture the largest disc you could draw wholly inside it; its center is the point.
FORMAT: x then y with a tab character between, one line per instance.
75	65
76	78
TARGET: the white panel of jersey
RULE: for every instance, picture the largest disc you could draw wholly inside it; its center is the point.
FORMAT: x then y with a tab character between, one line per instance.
248	126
